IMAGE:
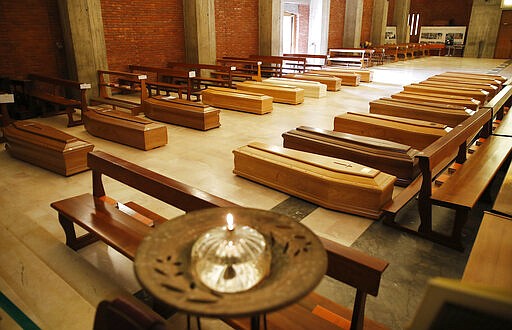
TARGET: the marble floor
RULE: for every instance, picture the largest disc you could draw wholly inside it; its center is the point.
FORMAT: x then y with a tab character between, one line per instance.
58	288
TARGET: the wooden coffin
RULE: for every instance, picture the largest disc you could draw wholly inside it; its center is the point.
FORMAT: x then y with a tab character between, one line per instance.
491	89
311	88
416	133
333	83
467	102
231	99
281	93
47	147
347	79
439	105
182	112
366	75
389	107
389	157
329	182
120	127
479	95
496	77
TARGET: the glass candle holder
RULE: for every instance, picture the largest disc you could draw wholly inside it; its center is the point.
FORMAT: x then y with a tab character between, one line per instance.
231	259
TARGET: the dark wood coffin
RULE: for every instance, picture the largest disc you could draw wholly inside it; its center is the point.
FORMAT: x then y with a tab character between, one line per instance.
47	147
389	157
390	107
329	182
417	133
118	126
182	112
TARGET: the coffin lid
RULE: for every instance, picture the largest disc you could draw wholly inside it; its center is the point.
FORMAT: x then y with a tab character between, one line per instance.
44	131
409	121
121	115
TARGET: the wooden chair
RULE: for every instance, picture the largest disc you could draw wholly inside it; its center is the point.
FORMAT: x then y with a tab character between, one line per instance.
126	314
346	265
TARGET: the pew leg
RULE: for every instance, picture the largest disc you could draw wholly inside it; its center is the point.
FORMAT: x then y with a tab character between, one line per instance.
72	122
425	210
76	243
461	217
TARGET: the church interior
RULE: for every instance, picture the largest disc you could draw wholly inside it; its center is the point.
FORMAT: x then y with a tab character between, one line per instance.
411	84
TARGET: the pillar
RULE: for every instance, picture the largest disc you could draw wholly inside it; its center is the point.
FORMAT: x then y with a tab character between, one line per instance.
270	21
199	17
353	22
84	40
379	21
402	8
483	28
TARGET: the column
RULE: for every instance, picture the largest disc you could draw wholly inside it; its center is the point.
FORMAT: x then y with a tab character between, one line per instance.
353	21
270	17
483	28
82	30
379	21
402	8
199	17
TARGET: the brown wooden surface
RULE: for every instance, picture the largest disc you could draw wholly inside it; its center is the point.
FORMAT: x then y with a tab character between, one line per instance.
280	93
437	99
503	202
390	107
366	74
491	89
333	83
311	88
490	260
182	112
124	128
475	75
393	158
468	183
47	147
231	99
347	79
106	84
479	95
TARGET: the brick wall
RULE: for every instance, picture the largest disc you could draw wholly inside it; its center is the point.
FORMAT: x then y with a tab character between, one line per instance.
31	39
366	24
143	32
236	28
302	44
336	23
391	9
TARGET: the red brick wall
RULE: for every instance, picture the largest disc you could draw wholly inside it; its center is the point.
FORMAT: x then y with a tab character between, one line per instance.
143	32
366	24
441	12
31	39
302	45
236	28
391	9
336	22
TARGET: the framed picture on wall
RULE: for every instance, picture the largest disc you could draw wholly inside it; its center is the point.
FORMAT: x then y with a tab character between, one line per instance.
390	35
439	34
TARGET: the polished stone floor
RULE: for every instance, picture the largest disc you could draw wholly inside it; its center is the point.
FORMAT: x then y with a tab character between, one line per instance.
58	288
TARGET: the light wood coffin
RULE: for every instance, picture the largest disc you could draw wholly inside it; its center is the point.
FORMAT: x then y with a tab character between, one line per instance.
347	79
491	89
470	80
124	128
468	102
231	99
281	93
311	88
439	105
333	83
479	95
182	112
366	75
329	182
418	134
496	77
389	157
389	107
47	147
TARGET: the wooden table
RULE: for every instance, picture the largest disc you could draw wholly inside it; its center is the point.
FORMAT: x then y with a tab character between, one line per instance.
163	265
490	261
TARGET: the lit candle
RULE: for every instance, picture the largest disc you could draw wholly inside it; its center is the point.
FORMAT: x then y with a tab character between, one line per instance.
230	221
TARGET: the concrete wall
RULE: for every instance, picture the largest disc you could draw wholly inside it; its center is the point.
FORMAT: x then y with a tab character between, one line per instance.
483	28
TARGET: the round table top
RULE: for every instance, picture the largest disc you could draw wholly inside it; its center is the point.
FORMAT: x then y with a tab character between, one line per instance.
162	264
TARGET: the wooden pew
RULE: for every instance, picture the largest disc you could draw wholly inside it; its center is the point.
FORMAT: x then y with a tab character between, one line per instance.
245	68
123	226
347	56
391	52
347	265
389	107
271	66
46	147
167	80
110	82
206	74
460	190
313	61
58	94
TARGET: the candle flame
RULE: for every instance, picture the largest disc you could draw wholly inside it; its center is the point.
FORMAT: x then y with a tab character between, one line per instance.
229	220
